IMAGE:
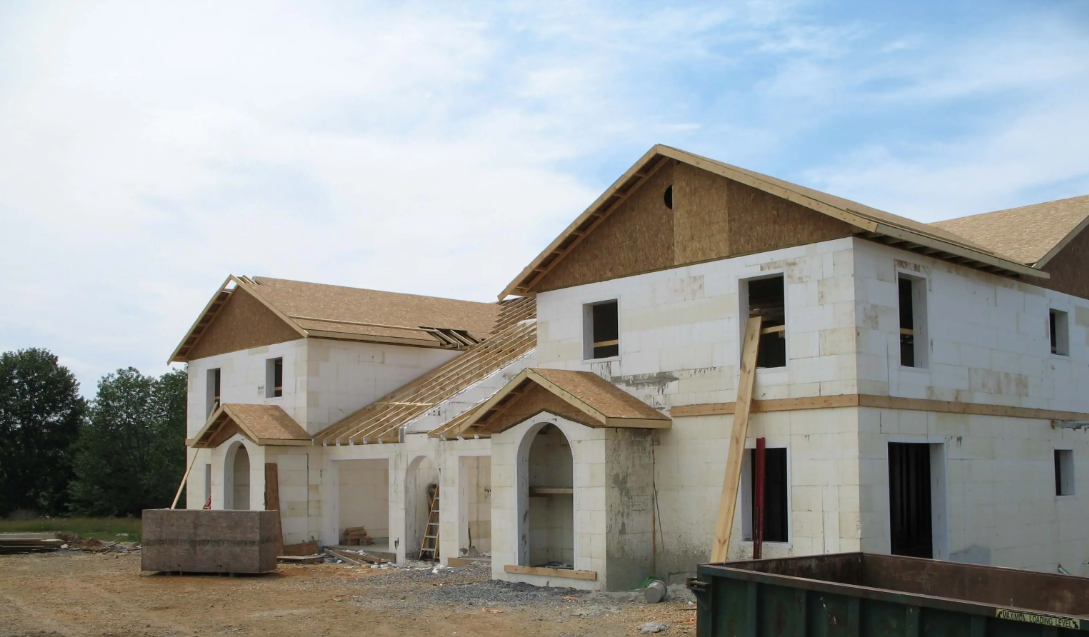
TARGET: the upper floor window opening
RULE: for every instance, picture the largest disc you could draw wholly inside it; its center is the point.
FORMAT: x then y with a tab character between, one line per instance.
601	330
767	299
274	378
1059	329
213	391
913	332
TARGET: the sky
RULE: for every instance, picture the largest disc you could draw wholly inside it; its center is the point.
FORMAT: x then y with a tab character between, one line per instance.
148	150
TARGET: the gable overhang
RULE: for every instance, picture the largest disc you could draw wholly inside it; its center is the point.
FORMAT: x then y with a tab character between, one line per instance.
230	286
225	422
881	227
1062	244
476	422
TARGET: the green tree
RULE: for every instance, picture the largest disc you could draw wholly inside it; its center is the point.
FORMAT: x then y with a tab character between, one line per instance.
40	416
131	454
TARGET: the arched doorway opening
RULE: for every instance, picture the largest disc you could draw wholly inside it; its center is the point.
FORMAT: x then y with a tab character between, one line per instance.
420	486
547	494
236	482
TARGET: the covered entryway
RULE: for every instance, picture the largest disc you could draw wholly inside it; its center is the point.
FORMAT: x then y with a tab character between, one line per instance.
550	502
236	471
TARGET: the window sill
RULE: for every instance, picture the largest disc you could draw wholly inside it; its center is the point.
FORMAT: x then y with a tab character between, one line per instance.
1072	496
607	359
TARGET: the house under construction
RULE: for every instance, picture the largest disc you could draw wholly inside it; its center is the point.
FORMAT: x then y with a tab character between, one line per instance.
919	389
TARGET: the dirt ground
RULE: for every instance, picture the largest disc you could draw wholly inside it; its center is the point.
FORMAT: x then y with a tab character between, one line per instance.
74	593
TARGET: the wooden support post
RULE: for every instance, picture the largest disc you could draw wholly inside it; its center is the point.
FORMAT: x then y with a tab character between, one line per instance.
184	479
272	501
745	382
758	501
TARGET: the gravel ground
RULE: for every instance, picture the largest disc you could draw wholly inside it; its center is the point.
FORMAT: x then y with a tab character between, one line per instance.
76	593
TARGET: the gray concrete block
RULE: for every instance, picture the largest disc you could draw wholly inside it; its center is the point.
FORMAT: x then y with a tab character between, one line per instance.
200	541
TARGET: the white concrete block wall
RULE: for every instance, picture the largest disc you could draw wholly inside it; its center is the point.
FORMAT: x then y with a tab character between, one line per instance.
364	496
989	335
324	380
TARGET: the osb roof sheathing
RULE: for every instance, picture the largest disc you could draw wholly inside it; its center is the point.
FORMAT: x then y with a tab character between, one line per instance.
263	424
596	399
333	311
1029	234
381	421
872	223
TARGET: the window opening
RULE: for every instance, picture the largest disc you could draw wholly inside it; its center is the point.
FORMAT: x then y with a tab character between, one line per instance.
274	378
913	341
667	197
1064	472
603	333
1060	341
776	509
213	400
767	299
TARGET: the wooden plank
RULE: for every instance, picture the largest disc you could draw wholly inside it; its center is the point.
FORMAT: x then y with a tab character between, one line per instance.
562	573
272	501
551	491
746	381
185	477
342	556
300	559
763	406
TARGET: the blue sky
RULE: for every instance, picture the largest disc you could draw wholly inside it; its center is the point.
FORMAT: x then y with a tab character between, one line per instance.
149	149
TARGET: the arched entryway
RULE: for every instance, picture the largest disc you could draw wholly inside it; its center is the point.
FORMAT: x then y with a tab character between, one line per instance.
420	485
236	478
546	499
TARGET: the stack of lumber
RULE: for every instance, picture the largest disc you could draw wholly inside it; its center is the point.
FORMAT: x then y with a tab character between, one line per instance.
357	536
12	545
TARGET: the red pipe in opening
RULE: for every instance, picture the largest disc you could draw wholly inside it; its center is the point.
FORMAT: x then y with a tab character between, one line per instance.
758	501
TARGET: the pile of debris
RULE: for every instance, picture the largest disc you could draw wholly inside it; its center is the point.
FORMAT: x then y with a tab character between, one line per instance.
357	536
18	544
91	545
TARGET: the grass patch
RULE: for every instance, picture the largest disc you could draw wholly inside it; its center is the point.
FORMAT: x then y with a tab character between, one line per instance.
106	529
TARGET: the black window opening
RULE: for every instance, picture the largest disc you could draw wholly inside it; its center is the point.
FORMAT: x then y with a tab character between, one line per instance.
1057	322
767	299
213	390
1064	472
776	517
605	330
910	500
278	377
907	324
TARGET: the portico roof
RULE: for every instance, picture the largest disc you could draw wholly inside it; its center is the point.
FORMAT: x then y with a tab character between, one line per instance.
263	424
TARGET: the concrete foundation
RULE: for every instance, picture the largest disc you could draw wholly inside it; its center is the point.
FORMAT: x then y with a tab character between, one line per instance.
199	541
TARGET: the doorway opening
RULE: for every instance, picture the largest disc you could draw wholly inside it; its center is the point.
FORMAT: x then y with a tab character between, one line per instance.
363	493
911	503
550	501
421	486
236	483
474	506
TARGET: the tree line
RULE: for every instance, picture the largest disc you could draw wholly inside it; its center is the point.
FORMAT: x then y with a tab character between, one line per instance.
115	455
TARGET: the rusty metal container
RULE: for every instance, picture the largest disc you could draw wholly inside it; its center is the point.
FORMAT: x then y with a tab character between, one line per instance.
867	595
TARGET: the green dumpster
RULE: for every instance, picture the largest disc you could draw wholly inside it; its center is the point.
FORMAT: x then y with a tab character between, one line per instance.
866	595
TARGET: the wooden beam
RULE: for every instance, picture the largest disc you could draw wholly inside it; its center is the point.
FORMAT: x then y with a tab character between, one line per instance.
747	380
184	478
550	572
272	501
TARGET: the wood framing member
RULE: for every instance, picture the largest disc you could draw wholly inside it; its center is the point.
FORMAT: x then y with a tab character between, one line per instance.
550	572
877	402
730	484
272	501
580	396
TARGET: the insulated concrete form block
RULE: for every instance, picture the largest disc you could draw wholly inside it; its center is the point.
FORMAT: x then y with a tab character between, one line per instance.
201	541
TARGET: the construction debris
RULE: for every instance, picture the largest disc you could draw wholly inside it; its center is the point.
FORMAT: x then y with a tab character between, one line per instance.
300	559
357	536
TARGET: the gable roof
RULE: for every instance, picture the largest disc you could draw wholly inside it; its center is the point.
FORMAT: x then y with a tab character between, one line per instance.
1030	234
872	223
580	396
381	420
315	310
263	424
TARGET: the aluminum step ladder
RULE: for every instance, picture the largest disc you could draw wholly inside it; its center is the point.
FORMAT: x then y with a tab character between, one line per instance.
430	545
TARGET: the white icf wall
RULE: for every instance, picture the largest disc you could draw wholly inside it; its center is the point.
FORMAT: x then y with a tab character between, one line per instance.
323	380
